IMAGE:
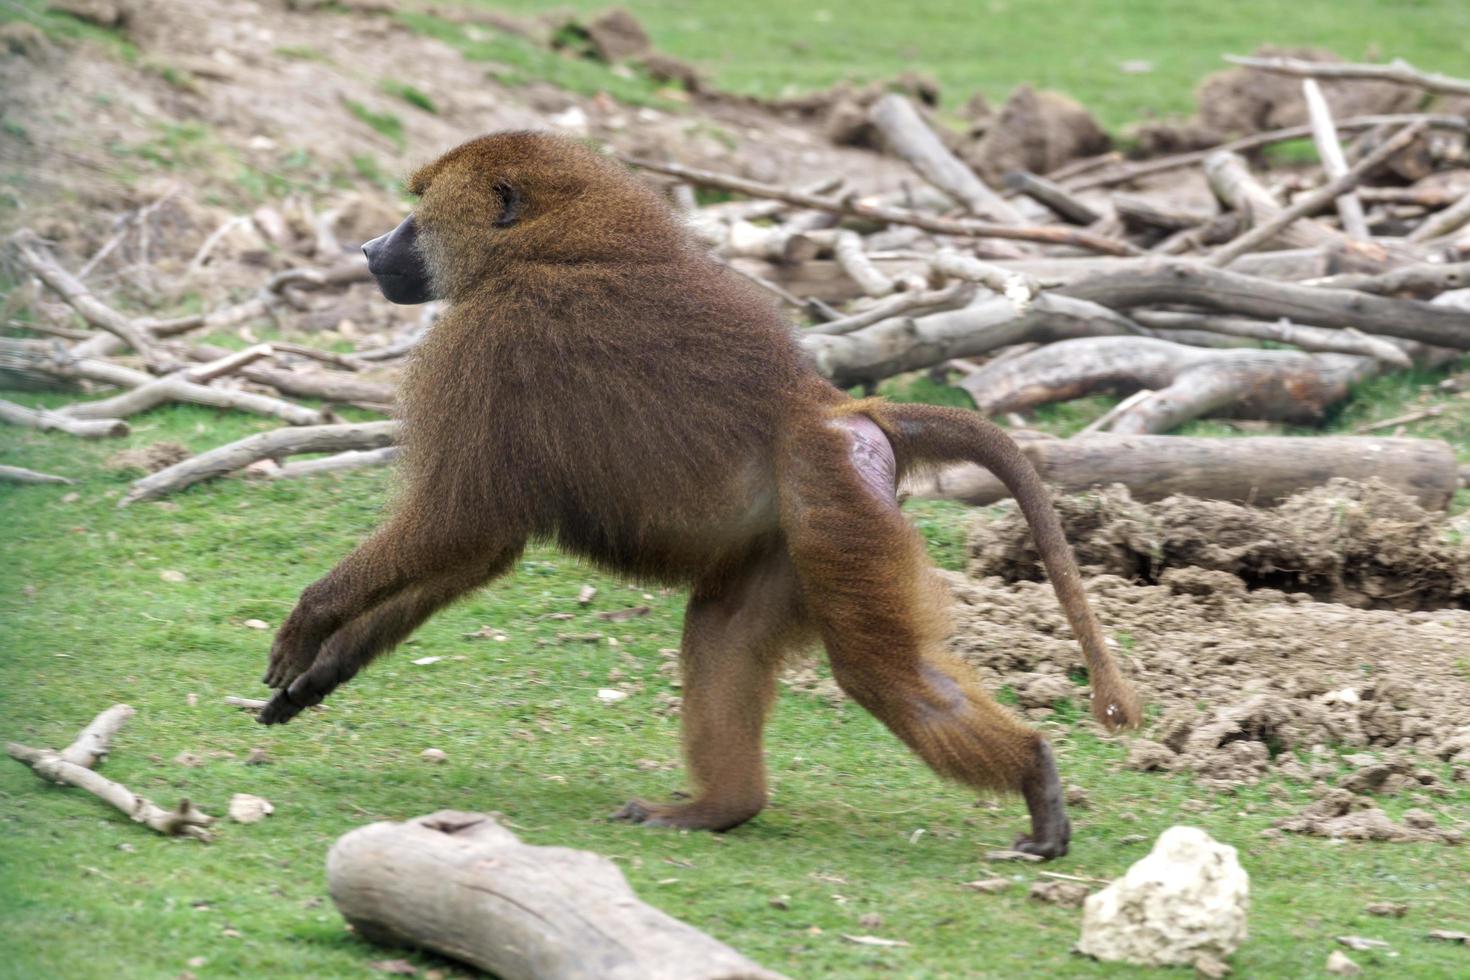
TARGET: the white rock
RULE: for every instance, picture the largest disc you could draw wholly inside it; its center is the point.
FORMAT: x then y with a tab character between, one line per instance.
610	695
1339	964
245	808
1188	897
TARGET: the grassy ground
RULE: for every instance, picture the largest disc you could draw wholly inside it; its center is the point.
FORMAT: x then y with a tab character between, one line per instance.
89	620
768	47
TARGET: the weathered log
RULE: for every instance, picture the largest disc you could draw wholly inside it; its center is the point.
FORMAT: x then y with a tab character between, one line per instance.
913	343
263	445
1052	195
1255	470
906	133
19	474
1344	341
1187	382
1228	291
1231	179
1319	198
40	418
1423	280
465	887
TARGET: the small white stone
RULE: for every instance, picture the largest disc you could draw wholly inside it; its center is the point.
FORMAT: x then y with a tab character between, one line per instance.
610	695
1188	897
245	808
425	661
1339	963
257	624
434	755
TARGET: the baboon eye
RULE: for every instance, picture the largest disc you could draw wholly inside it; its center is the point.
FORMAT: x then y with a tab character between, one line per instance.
510	204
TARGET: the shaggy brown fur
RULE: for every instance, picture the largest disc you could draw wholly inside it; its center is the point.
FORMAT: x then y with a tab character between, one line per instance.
598	381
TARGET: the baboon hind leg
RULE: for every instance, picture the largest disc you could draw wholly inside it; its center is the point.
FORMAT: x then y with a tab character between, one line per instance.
736	634
883	616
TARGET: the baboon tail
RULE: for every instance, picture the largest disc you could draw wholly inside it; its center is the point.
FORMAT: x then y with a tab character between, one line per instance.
929	434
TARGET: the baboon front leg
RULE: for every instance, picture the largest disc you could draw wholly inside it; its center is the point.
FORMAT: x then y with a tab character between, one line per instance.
883	616
364	607
735	635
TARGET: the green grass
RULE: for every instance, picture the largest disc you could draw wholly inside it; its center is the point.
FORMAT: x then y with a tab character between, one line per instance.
770	48
517	61
89	621
385	124
409	94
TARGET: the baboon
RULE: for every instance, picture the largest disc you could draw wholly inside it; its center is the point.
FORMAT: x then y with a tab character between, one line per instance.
597	381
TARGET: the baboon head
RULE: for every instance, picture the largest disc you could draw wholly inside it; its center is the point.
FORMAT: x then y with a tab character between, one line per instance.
518	197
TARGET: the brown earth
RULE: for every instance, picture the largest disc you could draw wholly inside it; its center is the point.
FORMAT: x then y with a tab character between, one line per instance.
1259	637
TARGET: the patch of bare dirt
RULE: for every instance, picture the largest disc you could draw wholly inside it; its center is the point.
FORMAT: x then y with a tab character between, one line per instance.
1362	545
1249	679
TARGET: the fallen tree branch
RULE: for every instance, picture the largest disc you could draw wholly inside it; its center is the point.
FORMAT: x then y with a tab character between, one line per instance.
72	766
263	445
1343	341
1321	197
1259	470
1226	291
19	474
1398	70
913	343
180	388
463	886
1052	195
954	295
1148	168
1187	382
1334	164
1231	179
40	418
28	250
352	459
1445	222
906	133
852	205
1423	279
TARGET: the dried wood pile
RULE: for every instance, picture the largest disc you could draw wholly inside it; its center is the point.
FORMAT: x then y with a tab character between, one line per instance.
1268	301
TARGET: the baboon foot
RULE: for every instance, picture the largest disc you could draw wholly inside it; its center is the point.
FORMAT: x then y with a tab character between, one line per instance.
1051	831
697	815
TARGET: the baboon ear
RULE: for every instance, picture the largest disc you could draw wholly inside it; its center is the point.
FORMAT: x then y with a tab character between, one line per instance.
510	204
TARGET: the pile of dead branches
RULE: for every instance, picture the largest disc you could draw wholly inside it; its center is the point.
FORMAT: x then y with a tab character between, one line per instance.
1259	295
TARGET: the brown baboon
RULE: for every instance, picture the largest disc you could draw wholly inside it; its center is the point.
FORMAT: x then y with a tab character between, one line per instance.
597	381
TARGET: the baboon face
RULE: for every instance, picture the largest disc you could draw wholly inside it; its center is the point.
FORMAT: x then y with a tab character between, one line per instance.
397	264
517	198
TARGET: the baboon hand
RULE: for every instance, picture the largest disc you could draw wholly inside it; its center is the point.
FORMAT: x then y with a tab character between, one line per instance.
290	657
304	692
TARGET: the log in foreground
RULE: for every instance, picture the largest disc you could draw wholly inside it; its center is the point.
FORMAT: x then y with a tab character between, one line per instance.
465	887
1259	470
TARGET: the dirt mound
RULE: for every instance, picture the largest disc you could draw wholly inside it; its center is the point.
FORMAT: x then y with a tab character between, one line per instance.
1246	679
1037	131
1363	545
1239	101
